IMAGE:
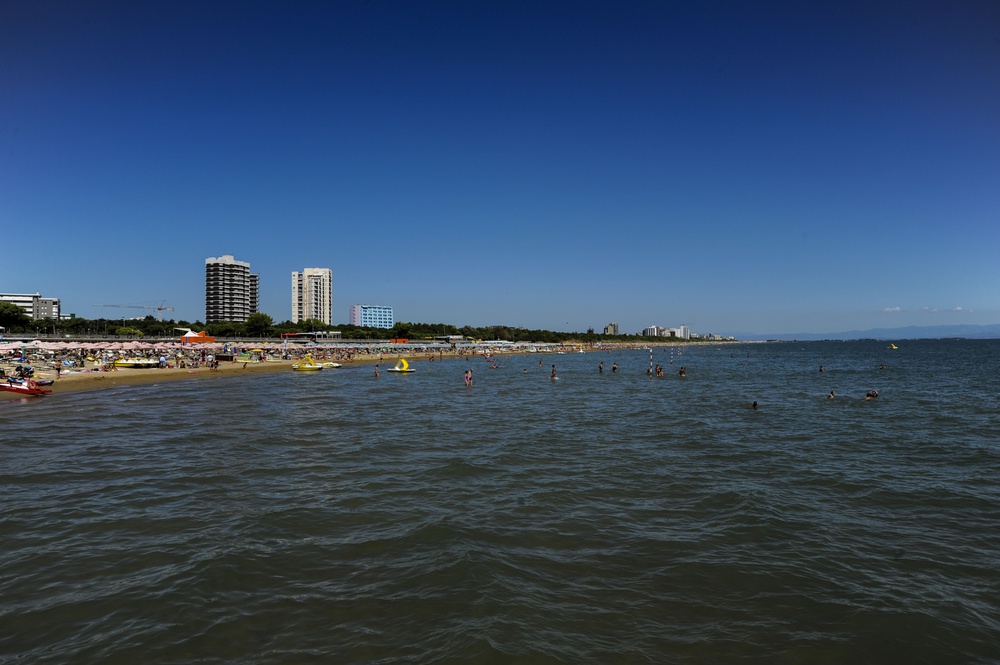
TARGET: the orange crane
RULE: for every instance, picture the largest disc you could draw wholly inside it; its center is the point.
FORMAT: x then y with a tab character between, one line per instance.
159	309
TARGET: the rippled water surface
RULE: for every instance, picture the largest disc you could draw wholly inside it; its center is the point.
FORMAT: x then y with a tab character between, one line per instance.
600	518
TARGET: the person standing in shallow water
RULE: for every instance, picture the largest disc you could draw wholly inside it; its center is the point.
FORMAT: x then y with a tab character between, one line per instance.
600	368
553	372
468	377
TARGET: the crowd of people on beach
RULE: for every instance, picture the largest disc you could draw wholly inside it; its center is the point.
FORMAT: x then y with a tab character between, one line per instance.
97	359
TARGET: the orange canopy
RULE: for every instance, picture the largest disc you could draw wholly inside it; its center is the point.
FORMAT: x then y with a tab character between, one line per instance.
191	337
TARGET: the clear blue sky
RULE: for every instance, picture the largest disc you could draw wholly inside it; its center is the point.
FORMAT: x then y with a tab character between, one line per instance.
731	165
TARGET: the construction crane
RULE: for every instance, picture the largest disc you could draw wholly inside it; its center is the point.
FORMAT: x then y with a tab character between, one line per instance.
159	309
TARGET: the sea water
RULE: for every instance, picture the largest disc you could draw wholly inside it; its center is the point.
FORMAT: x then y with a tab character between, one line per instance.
605	517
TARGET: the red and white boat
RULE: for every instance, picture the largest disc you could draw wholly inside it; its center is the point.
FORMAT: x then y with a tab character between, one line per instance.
23	386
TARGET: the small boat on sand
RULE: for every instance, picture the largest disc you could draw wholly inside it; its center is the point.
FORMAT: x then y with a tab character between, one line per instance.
23	387
137	363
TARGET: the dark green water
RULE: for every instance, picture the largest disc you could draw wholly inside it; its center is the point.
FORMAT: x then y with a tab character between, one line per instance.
600	518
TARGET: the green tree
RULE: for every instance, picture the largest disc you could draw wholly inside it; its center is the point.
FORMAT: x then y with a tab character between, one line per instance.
259	325
401	330
312	325
225	329
128	331
13	317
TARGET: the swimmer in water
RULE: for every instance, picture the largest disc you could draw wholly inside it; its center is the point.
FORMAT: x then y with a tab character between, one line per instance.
754	405
553	372
831	395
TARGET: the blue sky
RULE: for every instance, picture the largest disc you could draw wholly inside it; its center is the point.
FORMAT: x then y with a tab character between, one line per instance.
732	166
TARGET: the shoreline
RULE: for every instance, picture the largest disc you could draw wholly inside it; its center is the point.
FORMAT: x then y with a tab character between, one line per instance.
82	380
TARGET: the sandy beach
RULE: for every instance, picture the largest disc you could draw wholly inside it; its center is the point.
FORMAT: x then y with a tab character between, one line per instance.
94	379
74	379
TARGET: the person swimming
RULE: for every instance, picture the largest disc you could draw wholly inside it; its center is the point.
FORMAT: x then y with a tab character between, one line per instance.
832	395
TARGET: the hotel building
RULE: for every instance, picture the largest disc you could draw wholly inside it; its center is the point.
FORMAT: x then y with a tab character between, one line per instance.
372	316
232	292
312	295
33	304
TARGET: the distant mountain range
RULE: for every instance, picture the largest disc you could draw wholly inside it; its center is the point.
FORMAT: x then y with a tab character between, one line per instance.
991	331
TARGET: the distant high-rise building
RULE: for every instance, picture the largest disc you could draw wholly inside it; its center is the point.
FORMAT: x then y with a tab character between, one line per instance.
372	316
611	328
232	292
33	304
312	295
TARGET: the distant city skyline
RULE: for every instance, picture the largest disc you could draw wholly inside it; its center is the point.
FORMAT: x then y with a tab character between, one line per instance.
729	166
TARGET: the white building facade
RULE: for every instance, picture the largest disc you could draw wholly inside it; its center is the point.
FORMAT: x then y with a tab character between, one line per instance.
232	292
312	295
33	304
372	316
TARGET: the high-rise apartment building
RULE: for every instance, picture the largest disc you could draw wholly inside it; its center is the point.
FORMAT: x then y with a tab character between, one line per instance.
232	292
312	295
372	316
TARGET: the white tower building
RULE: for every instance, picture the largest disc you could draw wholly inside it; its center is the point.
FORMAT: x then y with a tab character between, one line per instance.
312	295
